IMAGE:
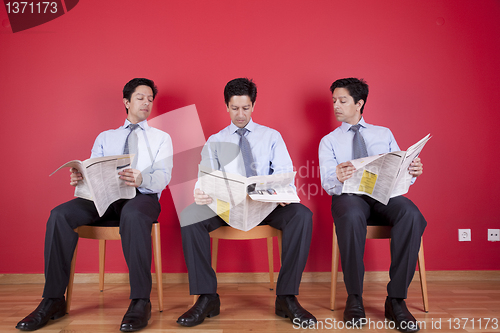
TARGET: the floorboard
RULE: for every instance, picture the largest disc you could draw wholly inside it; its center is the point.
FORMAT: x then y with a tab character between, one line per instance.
455	306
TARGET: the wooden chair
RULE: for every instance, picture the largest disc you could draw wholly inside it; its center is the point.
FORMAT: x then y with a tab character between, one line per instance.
377	232
109	230
261	231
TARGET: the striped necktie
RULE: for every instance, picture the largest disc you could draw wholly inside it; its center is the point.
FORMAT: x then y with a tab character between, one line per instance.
246	151
131	144
358	144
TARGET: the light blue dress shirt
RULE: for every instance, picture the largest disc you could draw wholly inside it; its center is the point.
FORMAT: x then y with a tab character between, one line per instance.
269	152
154	158
336	148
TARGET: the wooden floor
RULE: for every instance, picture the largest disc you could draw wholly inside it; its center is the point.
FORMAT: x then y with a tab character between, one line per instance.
249	307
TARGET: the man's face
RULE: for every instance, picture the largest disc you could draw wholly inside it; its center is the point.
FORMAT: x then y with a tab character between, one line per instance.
344	107
140	104
240	110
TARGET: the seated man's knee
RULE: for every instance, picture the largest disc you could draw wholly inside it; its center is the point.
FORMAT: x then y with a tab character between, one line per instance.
413	214
194	214
64	214
294	216
186	215
57	211
135	221
419	220
301	210
351	216
351	224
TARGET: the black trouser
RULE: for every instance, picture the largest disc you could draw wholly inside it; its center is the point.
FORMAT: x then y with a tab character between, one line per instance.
350	214
136	217
295	220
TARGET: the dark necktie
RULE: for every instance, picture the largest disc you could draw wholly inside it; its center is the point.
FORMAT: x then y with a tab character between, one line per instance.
131	144
358	144
247	153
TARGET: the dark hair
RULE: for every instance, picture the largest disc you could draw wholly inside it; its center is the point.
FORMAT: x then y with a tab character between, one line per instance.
131	85
240	87
357	88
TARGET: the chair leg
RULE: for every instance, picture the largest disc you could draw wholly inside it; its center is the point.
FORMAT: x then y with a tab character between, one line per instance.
423	277
280	240
335	269
158	269
215	250
270	260
102	260
69	290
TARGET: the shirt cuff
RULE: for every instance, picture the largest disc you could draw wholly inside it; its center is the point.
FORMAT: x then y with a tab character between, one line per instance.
333	187
146	181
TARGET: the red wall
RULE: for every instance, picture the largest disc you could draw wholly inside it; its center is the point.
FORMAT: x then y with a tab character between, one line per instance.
432	67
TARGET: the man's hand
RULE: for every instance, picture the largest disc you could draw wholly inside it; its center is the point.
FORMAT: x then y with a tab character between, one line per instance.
201	198
416	167
74	177
284	204
345	171
132	177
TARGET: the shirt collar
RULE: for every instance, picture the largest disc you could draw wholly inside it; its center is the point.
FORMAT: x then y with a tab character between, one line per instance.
250	127
345	126
143	124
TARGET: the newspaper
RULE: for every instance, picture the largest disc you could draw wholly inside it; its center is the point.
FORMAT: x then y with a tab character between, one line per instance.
244	202
384	176
101	183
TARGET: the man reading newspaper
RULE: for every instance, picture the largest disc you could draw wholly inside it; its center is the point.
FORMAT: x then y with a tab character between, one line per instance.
353	139
248	149
149	175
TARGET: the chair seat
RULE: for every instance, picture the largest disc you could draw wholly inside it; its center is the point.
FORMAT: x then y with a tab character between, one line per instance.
103	229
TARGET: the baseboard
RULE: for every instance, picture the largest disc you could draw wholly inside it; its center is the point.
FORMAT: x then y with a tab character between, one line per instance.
257	277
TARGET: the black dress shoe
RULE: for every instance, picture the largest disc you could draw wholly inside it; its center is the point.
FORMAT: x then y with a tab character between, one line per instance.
205	306
396	310
288	307
49	308
354	313
137	315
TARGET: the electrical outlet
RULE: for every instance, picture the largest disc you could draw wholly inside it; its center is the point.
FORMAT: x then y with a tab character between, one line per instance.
494	235
464	235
